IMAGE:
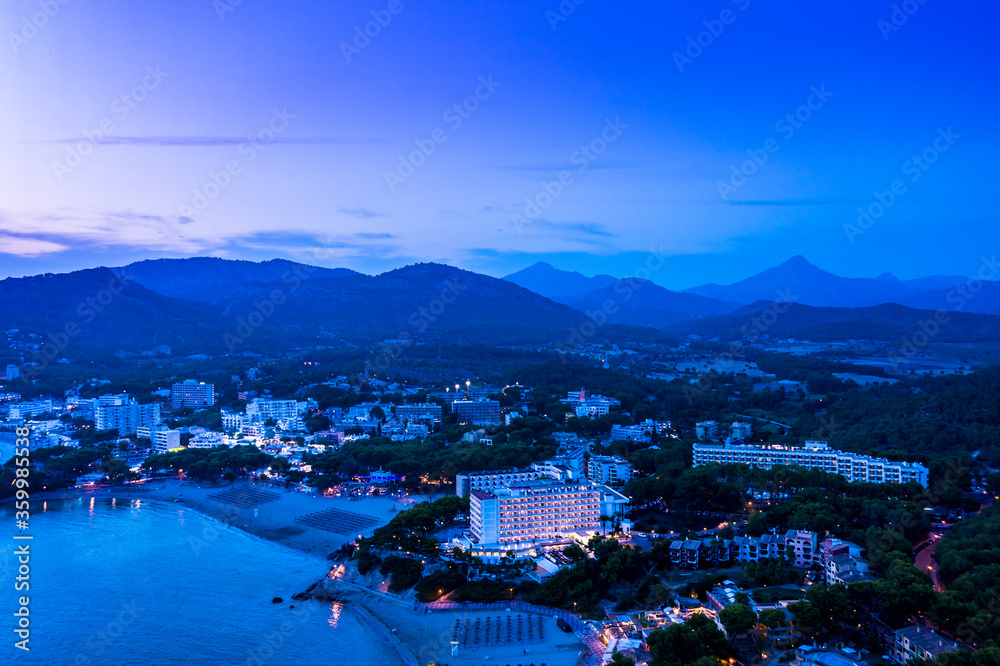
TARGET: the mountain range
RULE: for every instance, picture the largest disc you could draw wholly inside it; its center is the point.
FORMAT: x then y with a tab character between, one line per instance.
212	305
809	285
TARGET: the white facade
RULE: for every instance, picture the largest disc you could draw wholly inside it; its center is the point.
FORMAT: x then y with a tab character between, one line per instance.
125	416
22	410
533	511
163	439
192	393
262	409
740	430
707	429
609	469
584	404
814	455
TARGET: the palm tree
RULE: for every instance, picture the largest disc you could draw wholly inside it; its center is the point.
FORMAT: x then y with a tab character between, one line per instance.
605	519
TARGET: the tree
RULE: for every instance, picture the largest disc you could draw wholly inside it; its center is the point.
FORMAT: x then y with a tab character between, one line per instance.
737	619
604	520
806	618
116	469
682	644
618	659
757	524
230	476
772	618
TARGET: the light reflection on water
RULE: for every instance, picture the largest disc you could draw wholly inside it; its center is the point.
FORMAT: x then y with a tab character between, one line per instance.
211	603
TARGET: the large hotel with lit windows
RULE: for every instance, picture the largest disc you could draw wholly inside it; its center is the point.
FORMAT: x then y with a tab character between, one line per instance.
814	455
531	511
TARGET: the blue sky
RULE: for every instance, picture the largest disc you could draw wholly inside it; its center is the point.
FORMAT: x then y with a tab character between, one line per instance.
264	129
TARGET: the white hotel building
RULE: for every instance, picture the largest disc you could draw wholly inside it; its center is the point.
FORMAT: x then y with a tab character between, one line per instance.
814	455
518	516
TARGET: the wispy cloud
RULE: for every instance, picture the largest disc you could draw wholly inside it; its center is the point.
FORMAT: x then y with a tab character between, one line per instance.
28	247
584	228
360	212
209	140
36	234
46	233
794	202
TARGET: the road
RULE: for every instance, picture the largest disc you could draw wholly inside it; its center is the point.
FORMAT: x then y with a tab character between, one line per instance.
924	560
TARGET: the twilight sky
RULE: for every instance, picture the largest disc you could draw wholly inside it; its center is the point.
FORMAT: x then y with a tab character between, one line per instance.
253	129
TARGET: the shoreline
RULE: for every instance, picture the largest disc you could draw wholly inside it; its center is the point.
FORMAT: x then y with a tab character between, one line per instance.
415	635
274	522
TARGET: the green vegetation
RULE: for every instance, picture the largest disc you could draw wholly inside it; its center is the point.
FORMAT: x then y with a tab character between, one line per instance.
410	531
969	558
697	641
619	572
210	463
404	572
433	586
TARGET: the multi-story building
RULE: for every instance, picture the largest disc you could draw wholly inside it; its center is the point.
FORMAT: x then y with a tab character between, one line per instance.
192	393
492	480
801	548
918	642
814	455
584	404
478	412
529	511
22	410
843	562
207	440
798	546
124	414
233	420
639	433
740	430
707	429
611	470
13	372
163	439
262	409
428	413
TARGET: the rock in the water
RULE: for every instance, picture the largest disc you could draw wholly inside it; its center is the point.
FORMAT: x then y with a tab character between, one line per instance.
277	600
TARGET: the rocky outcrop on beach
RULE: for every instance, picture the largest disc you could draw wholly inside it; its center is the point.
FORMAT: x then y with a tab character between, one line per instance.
327	590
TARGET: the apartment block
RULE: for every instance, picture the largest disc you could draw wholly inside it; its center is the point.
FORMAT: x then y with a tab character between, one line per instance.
584	404
611	470
813	455
798	546
192	393
22	410
639	433
124	414
163	439
262	409
428	413
918	642
478	412
707	429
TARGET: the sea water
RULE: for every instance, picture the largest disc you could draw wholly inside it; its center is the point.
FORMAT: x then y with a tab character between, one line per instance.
132	581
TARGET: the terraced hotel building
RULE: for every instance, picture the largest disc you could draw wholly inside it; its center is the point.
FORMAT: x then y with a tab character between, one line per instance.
814	455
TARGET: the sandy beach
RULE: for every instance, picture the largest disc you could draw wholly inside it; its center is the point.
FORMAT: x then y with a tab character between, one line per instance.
275	521
427	636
